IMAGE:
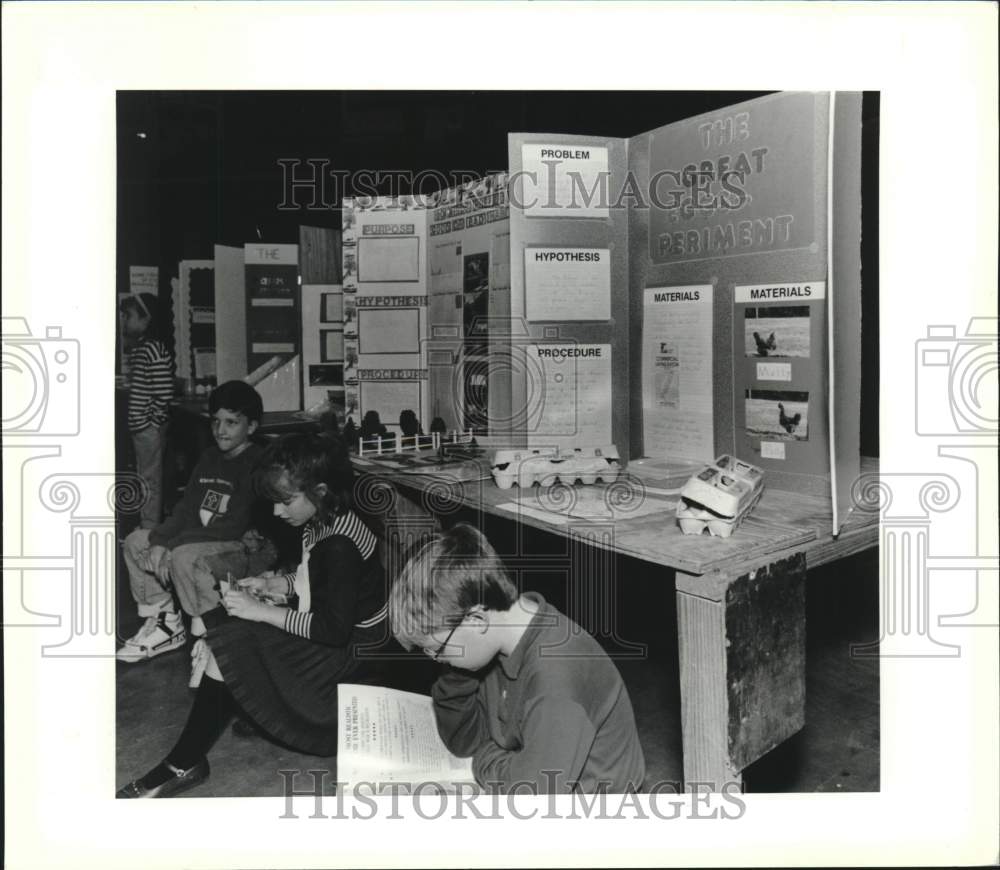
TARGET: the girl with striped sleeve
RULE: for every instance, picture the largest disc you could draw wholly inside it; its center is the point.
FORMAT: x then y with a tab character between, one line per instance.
282	662
151	387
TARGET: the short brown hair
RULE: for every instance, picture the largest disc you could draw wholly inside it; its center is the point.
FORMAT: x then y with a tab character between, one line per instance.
450	574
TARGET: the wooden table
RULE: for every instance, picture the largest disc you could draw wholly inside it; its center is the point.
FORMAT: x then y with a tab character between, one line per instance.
740	601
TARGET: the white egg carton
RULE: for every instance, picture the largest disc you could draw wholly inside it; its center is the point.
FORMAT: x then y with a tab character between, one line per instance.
719	497
546	465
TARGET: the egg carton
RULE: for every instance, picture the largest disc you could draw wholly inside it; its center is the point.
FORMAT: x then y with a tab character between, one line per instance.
547	465
719	497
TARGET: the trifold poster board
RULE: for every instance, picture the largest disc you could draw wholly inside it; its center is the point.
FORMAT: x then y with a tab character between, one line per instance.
733	245
685	293
743	203
569	298
384	308
426	279
273	323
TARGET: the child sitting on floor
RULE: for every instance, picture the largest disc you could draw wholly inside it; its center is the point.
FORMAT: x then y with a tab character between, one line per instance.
281	662
209	521
525	691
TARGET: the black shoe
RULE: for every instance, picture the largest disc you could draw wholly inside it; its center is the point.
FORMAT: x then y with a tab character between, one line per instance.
244	728
181	781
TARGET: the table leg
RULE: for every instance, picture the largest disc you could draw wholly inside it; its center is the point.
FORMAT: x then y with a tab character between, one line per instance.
742	667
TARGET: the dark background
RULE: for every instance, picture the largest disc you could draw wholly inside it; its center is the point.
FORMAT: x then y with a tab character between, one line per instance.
205	170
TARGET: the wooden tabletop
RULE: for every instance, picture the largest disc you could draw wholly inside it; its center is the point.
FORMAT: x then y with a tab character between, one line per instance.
633	519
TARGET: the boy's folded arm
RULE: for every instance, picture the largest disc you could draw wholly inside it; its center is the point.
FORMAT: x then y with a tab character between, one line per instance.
461	719
557	739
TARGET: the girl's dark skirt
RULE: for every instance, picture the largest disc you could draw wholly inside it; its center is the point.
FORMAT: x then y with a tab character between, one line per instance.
285	683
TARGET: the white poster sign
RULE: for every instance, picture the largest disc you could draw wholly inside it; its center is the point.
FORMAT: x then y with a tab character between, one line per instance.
564	181
677	372
569	394
567	283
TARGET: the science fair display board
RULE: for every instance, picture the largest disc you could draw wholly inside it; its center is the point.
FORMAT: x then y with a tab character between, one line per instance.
689	292
469	284
745	273
425	286
569	296
273	323
716	261
384	308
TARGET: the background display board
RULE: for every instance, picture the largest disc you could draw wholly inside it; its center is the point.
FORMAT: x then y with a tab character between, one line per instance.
273	321
384	309
194	324
469	284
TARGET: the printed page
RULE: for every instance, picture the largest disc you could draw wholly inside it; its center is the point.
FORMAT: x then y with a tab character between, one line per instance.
677	372
386	735
569	395
567	283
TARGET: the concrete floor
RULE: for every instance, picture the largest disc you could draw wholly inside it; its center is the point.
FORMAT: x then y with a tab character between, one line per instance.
838	750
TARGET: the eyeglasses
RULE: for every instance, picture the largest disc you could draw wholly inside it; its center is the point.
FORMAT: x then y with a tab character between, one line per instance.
436	655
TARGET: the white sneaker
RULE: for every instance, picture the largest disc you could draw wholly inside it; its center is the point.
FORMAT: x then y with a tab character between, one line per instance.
199	661
159	634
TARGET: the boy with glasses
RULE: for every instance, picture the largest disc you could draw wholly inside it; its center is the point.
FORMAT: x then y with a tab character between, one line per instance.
529	695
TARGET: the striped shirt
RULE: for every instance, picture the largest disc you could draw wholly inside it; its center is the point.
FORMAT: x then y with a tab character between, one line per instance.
299	622
151	382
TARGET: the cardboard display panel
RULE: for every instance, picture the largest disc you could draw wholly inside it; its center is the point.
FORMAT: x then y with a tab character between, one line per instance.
844	279
384	306
274	322
569	297
686	293
469	286
780	408
738	199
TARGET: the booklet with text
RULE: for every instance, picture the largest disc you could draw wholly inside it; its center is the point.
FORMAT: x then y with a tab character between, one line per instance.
387	735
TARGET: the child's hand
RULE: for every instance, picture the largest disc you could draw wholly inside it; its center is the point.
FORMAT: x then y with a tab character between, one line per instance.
242	604
159	564
253	584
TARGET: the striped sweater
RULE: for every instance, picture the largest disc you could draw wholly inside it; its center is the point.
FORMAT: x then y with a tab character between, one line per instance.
151	377
340	583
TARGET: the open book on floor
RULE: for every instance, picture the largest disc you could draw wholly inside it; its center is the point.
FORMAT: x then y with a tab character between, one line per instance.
386	736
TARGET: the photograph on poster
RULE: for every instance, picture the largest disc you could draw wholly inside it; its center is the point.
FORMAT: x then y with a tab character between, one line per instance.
476	288
776	331
332	308
350	366
326	376
350	265
350	316
777	414
331	343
